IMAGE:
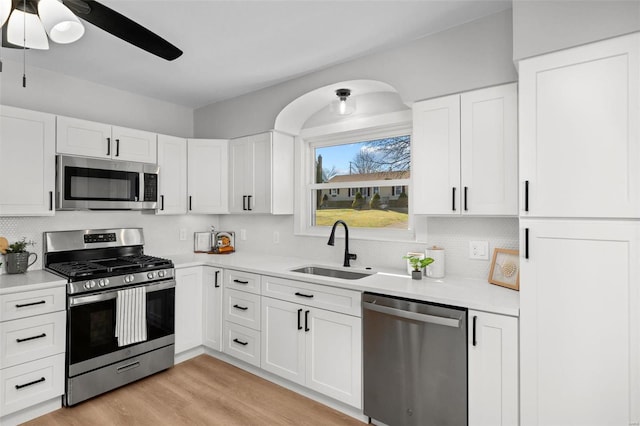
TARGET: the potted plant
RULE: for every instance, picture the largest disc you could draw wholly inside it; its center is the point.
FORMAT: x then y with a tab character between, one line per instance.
17	256
418	264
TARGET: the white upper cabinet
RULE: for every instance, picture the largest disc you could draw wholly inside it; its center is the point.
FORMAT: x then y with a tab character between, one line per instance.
465	153
207	177
172	180
579	131
261	174
99	140
27	161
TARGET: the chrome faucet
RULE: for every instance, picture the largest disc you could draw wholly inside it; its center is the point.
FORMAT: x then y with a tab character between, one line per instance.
347	256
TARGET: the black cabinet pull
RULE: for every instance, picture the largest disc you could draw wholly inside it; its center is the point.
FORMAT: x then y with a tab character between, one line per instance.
249	202
308	296
215	282
190	203
306	321
453	198
24	305
299	319
475	320
26	339
466	189
241	282
108	147
244	202
50	200
526	195
526	243
40	380
240	342
117	147
162	202
242	308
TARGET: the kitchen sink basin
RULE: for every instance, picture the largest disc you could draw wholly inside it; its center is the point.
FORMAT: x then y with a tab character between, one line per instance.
333	273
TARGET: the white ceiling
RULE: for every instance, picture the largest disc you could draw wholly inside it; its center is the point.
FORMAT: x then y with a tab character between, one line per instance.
235	47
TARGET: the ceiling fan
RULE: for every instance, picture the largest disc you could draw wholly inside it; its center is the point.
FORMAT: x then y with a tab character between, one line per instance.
28	22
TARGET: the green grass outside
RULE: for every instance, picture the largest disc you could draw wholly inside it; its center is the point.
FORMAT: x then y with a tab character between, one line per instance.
363	218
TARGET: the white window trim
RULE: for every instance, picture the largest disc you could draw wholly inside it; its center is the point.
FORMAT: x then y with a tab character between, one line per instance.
305	204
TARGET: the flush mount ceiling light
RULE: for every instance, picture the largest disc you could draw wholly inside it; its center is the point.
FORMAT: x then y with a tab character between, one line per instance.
343	105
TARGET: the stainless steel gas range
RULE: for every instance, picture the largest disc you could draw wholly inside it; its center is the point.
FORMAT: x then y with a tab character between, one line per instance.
120	308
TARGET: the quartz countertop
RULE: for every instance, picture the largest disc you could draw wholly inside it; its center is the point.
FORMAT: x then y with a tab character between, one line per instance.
31	280
469	293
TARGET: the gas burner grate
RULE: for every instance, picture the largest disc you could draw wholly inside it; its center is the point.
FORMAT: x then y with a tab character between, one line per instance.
77	269
146	261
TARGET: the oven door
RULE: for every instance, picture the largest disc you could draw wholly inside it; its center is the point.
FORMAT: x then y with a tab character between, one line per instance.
91	341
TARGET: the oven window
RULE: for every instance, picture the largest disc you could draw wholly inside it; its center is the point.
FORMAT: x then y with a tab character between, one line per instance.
83	183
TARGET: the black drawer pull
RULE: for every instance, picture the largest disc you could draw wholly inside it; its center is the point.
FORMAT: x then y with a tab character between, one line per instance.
108	147
162	202
306	321
244	202
453	198
190	208
216	285
249	202
526	195
24	305
242	308
35	382
475	320
50	200
240	342
308	296
26	339
299	319
117	147
526	243
466	190
241	282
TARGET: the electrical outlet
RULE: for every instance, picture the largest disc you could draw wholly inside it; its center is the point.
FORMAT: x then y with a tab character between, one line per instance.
276	237
183	234
479	250
243	234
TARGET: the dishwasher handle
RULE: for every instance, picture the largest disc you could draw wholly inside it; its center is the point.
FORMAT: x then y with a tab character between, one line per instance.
432	319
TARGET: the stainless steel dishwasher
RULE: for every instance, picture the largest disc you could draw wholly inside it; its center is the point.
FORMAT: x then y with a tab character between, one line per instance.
415	362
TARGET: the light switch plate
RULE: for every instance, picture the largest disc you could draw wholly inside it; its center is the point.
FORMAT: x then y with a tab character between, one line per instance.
479	250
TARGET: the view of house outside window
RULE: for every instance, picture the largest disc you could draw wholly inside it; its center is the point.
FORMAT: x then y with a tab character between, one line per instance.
364	183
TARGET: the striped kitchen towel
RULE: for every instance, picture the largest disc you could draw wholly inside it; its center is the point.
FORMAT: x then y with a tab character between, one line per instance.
131	316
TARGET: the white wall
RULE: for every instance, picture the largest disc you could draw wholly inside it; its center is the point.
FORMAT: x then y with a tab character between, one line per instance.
544	26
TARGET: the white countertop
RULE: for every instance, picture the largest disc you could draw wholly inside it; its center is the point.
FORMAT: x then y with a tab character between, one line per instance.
32	280
465	292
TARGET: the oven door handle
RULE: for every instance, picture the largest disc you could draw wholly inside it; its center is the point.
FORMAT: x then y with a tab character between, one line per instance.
112	294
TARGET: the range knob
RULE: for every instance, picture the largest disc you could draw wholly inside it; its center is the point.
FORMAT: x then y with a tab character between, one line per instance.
102	282
128	279
161	274
151	275
89	284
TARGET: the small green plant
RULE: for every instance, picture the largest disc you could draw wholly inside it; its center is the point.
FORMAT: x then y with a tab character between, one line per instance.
19	246
418	263
358	201
375	201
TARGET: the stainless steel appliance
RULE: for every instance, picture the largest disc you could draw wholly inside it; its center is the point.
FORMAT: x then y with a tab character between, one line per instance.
98	264
94	184
415	362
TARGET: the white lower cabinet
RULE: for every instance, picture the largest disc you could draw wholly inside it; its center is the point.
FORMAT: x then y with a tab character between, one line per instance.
493	369
242	343
188	312
212	307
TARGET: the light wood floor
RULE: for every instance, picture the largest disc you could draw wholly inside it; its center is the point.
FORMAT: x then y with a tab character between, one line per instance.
200	391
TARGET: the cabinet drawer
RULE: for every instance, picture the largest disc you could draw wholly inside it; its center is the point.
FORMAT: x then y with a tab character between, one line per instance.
324	297
242	308
244	281
29	303
31	383
28	339
242	343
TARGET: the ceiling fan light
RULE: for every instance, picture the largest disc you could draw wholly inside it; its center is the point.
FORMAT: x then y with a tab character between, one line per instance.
60	23
5	10
25	29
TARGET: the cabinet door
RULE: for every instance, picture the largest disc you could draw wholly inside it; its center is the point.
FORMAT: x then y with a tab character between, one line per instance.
283	339
493	369
334	355
489	145
208	176
188	323
212	306
27	161
240	174
82	137
172	160
579	131
133	145
259	185
435	156
580	323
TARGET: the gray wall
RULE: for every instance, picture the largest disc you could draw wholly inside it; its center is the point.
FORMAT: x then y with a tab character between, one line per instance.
466	57
545	26
60	94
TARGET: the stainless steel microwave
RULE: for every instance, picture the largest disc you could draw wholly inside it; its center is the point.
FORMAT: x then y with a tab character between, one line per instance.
93	184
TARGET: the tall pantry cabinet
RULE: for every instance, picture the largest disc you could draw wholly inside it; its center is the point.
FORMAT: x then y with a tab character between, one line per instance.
580	234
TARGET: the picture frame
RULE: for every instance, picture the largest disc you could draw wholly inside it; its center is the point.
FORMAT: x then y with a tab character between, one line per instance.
505	268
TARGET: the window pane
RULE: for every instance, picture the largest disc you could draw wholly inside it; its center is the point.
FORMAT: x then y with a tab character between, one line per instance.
386	209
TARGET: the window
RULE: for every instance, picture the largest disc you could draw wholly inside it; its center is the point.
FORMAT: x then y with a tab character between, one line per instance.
373	174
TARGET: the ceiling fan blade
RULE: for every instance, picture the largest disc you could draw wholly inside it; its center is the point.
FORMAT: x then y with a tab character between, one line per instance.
122	27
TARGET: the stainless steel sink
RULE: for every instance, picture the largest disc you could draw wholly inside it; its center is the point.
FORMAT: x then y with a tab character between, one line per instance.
333	273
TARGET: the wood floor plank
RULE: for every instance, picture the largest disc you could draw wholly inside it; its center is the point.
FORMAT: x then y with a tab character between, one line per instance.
201	391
